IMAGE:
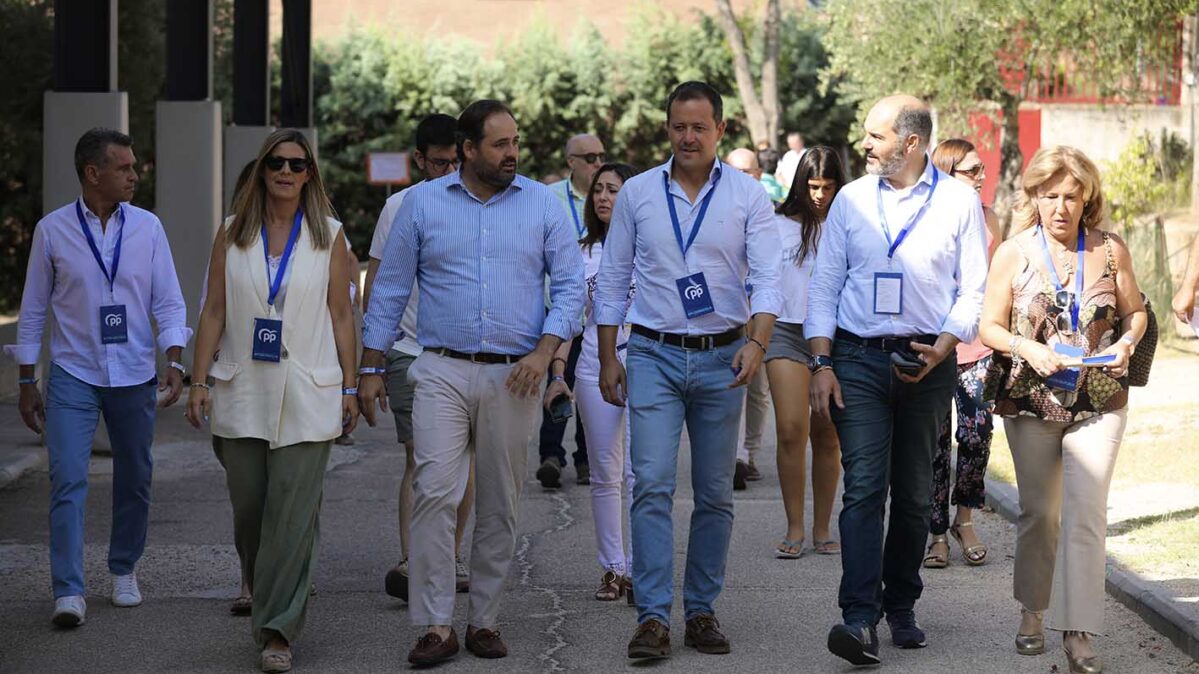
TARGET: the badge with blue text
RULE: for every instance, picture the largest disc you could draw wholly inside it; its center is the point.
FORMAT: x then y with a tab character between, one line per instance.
888	293
697	299
113	324
268	339
1067	379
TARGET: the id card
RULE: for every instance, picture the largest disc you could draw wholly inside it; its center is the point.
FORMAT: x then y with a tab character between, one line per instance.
268	339
888	293
1066	380
697	299
113	328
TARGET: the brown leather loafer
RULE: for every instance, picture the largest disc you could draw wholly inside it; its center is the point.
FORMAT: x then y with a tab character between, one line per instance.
485	643
651	640
704	635
431	649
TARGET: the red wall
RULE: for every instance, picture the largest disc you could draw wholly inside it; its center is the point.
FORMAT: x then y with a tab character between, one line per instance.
987	136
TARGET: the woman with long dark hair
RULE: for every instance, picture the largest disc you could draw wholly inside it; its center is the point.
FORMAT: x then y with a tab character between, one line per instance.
817	180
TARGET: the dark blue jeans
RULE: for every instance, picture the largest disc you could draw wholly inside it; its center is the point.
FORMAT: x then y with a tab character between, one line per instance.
551	434
888	433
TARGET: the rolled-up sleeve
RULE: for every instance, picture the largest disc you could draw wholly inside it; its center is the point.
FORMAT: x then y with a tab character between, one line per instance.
828	278
166	298
971	275
564	266
762	250
616	265
393	283
39	284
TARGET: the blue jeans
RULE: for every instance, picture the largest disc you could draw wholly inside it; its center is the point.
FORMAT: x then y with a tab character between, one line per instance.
888	433
73	410
667	387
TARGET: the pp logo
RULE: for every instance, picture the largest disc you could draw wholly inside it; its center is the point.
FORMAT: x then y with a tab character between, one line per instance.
268	336
694	291
113	320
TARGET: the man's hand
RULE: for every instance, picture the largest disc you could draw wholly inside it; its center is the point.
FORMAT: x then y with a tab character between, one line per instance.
823	387
173	381
1184	303
371	392
613	381
932	357
528	373
33	412
746	363
349	414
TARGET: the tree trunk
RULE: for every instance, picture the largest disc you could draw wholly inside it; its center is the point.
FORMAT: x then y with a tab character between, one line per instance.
1011	162
770	73
755	113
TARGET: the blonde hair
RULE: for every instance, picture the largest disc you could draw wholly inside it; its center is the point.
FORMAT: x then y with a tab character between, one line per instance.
1047	163
249	206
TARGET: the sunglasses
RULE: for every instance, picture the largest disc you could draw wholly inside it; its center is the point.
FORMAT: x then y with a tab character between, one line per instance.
592	157
1063	307
972	172
298	165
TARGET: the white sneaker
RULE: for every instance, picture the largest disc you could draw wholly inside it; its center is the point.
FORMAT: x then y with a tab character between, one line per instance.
124	591
69	611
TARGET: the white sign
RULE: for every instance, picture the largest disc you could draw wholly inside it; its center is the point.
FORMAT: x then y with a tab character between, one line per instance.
388	168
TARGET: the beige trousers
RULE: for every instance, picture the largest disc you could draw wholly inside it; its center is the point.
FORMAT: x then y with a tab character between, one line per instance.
459	407
1063	472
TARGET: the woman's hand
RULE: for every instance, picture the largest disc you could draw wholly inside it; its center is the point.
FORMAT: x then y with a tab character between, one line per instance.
1122	350
199	405
1042	358
349	413
556	388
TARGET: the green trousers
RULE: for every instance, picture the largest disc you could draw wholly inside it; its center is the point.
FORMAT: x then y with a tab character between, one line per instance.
276	497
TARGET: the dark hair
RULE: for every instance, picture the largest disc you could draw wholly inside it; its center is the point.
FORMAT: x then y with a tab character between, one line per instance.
693	91
768	160
436	129
817	162
913	120
470	122
597	230
92	147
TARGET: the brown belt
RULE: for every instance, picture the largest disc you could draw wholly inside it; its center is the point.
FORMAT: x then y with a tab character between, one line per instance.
488	358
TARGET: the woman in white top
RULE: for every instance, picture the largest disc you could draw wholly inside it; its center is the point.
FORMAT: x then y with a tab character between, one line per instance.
817	180
282	388
605	425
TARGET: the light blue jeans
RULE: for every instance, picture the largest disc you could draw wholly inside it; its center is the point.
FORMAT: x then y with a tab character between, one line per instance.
667	387
73	409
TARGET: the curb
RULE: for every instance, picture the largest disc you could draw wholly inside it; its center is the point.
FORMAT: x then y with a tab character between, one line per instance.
23	462
1154	606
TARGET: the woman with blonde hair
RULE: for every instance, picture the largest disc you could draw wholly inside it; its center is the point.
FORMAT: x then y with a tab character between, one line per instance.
1063	314
283	386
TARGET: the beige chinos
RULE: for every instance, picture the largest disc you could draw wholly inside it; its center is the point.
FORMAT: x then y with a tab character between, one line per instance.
1063	471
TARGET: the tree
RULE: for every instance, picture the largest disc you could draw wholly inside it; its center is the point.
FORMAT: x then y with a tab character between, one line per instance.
985	56
761	103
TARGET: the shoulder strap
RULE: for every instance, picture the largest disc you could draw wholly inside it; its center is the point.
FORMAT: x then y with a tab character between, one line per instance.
1107	250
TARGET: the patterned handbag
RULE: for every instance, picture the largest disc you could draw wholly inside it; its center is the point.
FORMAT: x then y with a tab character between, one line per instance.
1142	358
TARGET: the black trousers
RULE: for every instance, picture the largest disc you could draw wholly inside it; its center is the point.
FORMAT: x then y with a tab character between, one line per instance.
552	433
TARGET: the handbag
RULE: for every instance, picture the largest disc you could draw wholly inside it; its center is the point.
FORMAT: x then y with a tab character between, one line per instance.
1142	357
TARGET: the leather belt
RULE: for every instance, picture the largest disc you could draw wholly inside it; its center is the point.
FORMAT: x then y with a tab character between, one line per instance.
691	342
488	358
887	344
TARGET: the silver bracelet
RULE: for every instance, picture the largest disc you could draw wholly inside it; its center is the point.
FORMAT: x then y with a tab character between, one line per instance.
1014	348
198	384
174	364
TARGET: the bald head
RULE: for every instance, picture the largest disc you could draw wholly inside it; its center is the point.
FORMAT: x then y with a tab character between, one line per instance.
909	117
743	160
584	156
898	132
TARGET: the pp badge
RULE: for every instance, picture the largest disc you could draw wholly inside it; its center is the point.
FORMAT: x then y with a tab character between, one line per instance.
888	293
113	324
268	339
697	299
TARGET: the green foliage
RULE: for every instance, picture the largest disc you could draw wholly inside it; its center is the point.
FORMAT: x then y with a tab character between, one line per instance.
1132	184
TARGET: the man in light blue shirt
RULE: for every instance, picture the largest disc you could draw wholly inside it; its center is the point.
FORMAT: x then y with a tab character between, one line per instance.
898	283
480	241
698	229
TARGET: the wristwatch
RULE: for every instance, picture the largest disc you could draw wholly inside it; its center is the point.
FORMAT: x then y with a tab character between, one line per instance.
816	363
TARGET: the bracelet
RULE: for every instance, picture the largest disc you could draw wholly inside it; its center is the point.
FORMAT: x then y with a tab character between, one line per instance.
177	365
349	390
559	360
558	377
372	370
760	345
1129	340
822	368
27	380
200	384
1014	348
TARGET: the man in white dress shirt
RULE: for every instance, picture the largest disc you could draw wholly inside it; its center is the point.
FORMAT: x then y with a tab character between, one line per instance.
699	230
898	283
103	268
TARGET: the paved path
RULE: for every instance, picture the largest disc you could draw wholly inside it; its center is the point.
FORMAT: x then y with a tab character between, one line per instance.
776	612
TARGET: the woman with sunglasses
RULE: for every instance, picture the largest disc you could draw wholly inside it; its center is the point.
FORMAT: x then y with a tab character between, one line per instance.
958	158
282	389
1061	290
605	425
800	218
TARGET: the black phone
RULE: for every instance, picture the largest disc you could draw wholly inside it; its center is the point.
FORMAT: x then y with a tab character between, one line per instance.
907	361
561	408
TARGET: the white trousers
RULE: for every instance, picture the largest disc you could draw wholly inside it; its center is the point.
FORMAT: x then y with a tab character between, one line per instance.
607	429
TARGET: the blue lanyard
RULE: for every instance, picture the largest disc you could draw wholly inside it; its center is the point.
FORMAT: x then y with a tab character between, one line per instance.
91	242
574	213
903	233
699	219
266	254
1078	273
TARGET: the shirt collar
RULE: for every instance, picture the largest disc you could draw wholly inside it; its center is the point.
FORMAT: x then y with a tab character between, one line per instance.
570	182
455	179
87	212
926	177
717	167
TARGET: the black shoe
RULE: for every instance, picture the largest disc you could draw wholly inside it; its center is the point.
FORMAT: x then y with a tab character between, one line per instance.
855	642
739	475
905	631
550	474
396	582
583	474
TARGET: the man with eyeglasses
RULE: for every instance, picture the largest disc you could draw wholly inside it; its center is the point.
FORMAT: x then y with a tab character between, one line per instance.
436	155
584	156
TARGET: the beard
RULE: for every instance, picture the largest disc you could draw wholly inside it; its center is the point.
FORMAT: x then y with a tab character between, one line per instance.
888	166
499	176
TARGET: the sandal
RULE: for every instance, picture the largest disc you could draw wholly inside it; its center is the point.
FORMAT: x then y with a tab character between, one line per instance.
610	587
829	547
781	551
975	555
936	560
242	605
276	661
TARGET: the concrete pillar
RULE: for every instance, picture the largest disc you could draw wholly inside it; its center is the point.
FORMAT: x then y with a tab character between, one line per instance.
241	147
65	117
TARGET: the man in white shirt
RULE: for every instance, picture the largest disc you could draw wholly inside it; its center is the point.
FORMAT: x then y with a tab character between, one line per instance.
898	283
103	268
436	155
790	161
699	231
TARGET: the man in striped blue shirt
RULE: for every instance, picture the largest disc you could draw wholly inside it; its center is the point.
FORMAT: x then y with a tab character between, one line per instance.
480	242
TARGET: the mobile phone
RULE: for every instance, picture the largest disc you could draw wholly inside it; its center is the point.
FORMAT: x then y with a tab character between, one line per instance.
561	408
736	370
907	362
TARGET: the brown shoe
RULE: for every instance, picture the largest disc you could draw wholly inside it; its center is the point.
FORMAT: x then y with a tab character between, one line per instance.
704	635
485	643
651	640
431	649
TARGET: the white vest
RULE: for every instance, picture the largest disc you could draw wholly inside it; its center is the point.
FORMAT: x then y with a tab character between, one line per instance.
297	399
